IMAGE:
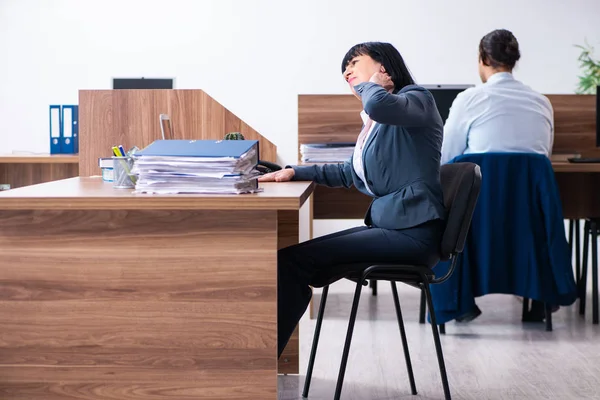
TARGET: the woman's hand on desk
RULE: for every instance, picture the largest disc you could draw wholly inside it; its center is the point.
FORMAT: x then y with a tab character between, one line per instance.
283	175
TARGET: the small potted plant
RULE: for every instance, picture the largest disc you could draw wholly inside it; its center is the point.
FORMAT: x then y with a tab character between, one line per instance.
234	136
590	68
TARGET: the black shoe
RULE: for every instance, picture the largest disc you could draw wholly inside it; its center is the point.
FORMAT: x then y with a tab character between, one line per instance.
469	316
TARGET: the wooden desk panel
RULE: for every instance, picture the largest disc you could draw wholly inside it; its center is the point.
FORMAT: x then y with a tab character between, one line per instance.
339	203
335	118
327	118
131	118
579	194
24	170
574	122
140	304
578	184
288	234
94	194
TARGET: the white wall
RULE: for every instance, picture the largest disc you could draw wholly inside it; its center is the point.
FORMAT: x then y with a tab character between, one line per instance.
255	57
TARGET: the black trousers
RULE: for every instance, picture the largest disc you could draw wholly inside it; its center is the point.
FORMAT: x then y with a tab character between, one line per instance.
332	257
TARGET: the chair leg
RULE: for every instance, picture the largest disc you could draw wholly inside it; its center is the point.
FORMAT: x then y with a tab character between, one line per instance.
313	351
340	381
411	377
584	267
373	286
594	239
525	309
577	252
436	339
548	317
571	231
422	308
422	313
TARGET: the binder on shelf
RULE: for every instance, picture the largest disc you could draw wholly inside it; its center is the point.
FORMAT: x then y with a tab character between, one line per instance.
55	129
69	143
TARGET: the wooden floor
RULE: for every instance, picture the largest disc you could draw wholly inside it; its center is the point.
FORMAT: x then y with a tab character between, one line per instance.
494	357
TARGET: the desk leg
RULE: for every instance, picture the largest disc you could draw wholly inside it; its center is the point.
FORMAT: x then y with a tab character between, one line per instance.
288	231
138	305
311	227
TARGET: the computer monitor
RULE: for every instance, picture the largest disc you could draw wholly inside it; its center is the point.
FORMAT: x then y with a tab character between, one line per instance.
444	95
598	116
142	83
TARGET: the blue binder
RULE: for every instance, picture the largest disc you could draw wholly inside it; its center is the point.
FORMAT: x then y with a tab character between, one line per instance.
199	148
55	129
70	130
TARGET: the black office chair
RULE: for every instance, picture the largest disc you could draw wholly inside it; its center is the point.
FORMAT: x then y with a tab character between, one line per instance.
461	183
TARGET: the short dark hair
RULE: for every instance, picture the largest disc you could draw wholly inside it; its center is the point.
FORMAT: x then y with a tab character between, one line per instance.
386	55
499	48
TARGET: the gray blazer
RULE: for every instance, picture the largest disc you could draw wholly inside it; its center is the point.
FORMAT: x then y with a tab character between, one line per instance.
401	159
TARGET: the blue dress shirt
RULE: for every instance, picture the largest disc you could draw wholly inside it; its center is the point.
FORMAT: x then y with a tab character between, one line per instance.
502	115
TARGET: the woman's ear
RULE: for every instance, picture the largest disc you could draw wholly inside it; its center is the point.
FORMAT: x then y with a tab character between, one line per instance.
382	69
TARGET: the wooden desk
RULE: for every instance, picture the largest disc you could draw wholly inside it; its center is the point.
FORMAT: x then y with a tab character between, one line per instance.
324	118
107	294
30	169
578	184
579	187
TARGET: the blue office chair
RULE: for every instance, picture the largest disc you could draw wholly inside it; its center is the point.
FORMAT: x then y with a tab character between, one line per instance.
460	184
517	243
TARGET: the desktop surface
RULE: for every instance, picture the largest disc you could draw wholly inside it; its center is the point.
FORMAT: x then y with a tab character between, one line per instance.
94	193
39	158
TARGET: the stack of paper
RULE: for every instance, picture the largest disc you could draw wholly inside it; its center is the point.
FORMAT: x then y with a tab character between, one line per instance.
197	166
326	152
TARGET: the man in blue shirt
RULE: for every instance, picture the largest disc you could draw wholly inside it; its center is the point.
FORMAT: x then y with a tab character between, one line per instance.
503	114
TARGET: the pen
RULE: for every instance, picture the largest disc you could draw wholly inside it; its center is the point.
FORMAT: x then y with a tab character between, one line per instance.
122	151
117	151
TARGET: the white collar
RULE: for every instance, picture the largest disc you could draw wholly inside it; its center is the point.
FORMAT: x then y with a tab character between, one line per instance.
500	76
364	116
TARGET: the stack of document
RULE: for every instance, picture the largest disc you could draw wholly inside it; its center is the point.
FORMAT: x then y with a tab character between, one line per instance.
326	152
197	166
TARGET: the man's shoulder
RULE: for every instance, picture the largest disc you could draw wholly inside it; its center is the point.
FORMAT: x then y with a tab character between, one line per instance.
472	92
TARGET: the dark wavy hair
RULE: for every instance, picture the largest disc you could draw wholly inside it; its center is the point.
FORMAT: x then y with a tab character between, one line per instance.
386	55
499	48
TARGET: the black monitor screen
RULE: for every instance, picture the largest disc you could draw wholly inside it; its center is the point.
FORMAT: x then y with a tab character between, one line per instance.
598	116
142	83
444	95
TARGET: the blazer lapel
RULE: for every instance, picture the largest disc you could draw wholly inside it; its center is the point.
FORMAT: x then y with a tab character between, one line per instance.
371	137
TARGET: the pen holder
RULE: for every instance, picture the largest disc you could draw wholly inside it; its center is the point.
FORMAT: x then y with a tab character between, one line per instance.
122	176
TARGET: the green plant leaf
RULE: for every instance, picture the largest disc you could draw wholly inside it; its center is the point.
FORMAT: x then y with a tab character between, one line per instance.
590	69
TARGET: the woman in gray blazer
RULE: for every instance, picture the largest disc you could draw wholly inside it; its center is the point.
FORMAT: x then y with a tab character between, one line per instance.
396	161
